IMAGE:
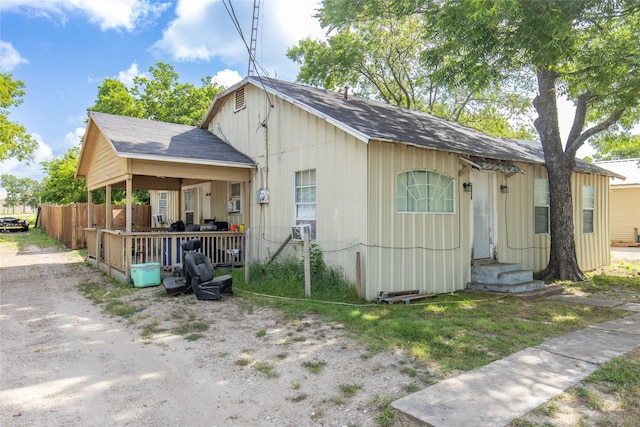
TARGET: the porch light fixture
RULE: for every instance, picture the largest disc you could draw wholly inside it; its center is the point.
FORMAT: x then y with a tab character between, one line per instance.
467	187
504	189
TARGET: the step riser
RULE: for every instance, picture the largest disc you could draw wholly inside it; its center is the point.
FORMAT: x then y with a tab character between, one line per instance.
515	277
533	285
489	273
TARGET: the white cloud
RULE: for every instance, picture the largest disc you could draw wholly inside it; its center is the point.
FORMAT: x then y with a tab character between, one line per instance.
126	76
10	58
33	170
227	77
73	139
112	14
203	31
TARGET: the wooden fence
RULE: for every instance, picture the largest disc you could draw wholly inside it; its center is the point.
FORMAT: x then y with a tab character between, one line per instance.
67	223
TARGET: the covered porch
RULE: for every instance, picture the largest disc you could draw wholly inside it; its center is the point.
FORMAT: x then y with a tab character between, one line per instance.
130	153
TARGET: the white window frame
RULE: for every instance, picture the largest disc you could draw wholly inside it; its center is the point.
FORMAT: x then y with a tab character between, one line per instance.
235	198
163	199
588	209
422	191
541	203
305	207
189	194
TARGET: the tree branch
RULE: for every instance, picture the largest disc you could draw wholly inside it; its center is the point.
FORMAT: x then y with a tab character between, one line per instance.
580	116
573	146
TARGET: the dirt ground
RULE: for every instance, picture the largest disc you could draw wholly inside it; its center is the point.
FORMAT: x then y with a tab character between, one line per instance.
63	362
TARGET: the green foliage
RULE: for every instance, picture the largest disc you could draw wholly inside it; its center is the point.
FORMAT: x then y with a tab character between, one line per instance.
20	191
616	146
159	97
60	184
15	142
380	58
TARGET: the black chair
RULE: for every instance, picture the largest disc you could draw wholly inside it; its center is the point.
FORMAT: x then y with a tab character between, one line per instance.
199	274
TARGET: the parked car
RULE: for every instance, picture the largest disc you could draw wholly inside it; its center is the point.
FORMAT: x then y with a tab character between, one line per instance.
9	223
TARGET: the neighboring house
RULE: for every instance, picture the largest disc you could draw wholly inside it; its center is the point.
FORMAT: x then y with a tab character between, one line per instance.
420	199
624	199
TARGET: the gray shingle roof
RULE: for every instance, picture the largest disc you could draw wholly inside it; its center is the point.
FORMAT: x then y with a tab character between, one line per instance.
369	119
149	139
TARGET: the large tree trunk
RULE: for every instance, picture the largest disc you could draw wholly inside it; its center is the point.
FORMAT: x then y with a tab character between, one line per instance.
563	264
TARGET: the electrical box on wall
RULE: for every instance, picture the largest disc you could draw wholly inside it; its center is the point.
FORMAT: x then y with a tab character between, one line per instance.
262	196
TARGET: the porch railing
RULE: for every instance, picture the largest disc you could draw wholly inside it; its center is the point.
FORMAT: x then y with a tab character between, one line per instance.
119	250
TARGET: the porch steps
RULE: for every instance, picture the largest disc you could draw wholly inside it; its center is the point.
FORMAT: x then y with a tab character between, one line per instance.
502	277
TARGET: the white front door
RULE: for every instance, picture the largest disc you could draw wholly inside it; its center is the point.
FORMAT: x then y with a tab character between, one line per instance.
483	199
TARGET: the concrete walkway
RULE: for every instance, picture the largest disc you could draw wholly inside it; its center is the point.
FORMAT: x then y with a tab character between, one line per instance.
495	394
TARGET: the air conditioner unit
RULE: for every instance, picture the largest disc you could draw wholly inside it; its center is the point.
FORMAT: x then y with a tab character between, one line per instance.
298	231
233	205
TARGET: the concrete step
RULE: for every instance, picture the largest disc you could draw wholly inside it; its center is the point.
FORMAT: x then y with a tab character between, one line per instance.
488	273
514	277
532	285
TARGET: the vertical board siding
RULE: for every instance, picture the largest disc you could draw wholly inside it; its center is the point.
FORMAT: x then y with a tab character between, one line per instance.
624	212
517	241
299	141
427	252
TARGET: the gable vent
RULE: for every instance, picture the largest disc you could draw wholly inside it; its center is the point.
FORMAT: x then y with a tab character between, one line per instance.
239	99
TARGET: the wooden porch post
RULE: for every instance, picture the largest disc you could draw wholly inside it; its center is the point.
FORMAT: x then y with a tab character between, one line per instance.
89	209
108	214
129	212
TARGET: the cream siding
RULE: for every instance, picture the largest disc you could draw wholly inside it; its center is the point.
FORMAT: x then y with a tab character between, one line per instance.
106	167
517	241
294	140
172	204
624	212
406	251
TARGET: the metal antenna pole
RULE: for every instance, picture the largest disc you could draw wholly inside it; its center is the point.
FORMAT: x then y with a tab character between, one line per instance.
254	38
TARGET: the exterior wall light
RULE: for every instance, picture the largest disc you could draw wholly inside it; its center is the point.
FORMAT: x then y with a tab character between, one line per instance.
467	187
504	189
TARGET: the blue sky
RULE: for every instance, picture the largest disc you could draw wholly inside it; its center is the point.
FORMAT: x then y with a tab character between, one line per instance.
63	50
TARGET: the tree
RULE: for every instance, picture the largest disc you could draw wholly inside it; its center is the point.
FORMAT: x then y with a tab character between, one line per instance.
60	184
14	139
20	191
587	50
381	58
161	97
616	146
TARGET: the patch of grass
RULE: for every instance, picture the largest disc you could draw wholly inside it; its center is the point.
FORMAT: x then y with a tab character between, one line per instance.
261	333
292	339
349	390
298	397
267	369
460	331
549	409
190	327
314	366
194	337
151	328
243	361
590	398
33	237
387	417
411	388
120	308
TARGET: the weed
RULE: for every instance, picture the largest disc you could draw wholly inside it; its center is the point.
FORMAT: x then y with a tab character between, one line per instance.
282	356
267	369
298	397
190	327
151	329
222	354
314	366
349	390
296	385
261	333
550	410
194	337
387	417
411	387
243	361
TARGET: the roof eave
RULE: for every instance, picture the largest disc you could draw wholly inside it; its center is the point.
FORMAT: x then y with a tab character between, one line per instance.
173	159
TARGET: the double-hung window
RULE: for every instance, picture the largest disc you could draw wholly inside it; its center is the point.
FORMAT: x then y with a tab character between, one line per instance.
189	206
424	192
541	206
305	200
588	207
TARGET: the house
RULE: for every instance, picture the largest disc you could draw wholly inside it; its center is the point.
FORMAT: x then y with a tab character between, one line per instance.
624	199
419	200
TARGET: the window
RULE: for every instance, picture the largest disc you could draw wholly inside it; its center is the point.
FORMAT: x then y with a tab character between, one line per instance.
541	206
163	203
424	191
239	99
188	206
305	200
234	197
588	207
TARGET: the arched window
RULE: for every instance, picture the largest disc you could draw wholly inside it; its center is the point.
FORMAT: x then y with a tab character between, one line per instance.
424	191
